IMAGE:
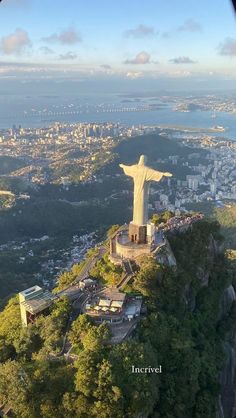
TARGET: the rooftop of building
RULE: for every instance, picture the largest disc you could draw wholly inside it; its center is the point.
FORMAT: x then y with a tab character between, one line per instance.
38	301
112	294
108	301
31	291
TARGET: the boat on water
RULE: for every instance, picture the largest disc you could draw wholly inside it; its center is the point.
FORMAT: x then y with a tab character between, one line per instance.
219	128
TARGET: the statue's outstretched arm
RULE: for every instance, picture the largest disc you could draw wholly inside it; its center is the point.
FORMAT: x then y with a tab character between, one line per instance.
130	170
153	175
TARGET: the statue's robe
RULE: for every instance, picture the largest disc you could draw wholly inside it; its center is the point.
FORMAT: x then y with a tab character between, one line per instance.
142	176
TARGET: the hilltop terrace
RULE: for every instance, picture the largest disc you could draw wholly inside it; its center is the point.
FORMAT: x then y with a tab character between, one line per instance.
112	306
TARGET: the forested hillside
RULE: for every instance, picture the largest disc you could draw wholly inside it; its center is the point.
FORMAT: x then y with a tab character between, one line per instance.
182	331
227	218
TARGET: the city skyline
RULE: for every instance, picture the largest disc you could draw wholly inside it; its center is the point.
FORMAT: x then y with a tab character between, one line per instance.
150	41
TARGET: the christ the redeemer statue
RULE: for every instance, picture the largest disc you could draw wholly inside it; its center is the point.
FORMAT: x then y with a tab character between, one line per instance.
142	176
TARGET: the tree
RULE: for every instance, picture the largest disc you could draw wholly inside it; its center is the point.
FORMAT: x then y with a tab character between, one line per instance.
109	397
167	215
7	351
140	391
158	218
112	230
148	279
48	409
84	332
63	281
29	341
86	372
15	389
77	406
96	337
67	277
51	333
10	321
51	380
79	329
52	327
61	309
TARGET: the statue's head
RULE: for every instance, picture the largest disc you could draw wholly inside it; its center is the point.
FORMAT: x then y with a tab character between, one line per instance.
142	160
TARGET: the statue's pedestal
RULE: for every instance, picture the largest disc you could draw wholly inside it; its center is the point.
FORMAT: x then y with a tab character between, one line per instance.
121	247
137	233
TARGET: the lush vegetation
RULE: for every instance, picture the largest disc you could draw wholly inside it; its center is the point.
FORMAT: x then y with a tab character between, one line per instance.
227	218
9	164
182	332
106	271
182	325
46	333
13	184
54	211
51	211
68	277
158	218
98	384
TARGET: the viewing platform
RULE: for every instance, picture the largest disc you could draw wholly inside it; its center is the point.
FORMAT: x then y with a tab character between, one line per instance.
121	247
34	301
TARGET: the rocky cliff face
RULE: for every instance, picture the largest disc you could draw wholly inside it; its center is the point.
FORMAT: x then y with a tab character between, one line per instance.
227	398
228	297
164	255
189	295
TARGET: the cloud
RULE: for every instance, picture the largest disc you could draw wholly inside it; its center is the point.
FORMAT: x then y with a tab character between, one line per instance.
15	43
228	47
67	37
134	75
47	51
141	58
182	60
180	74
18	69
141	31
190	25
68	56
105	66
15	3
166	34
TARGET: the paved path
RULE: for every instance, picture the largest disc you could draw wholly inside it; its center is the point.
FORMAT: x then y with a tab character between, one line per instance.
73	290
121	332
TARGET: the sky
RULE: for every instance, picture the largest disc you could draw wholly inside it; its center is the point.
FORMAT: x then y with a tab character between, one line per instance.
120	41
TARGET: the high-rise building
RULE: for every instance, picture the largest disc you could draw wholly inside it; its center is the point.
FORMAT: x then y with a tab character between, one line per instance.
193	182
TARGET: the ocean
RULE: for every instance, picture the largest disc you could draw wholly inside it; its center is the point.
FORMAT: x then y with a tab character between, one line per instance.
43	111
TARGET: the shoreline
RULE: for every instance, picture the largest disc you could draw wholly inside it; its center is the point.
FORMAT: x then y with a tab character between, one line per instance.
184	128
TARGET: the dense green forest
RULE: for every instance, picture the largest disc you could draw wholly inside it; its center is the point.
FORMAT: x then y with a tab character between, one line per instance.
155	147
49	211
227	218
9	164
181	331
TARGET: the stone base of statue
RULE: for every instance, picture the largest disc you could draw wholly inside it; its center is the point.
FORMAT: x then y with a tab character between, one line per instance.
138	233
131	242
